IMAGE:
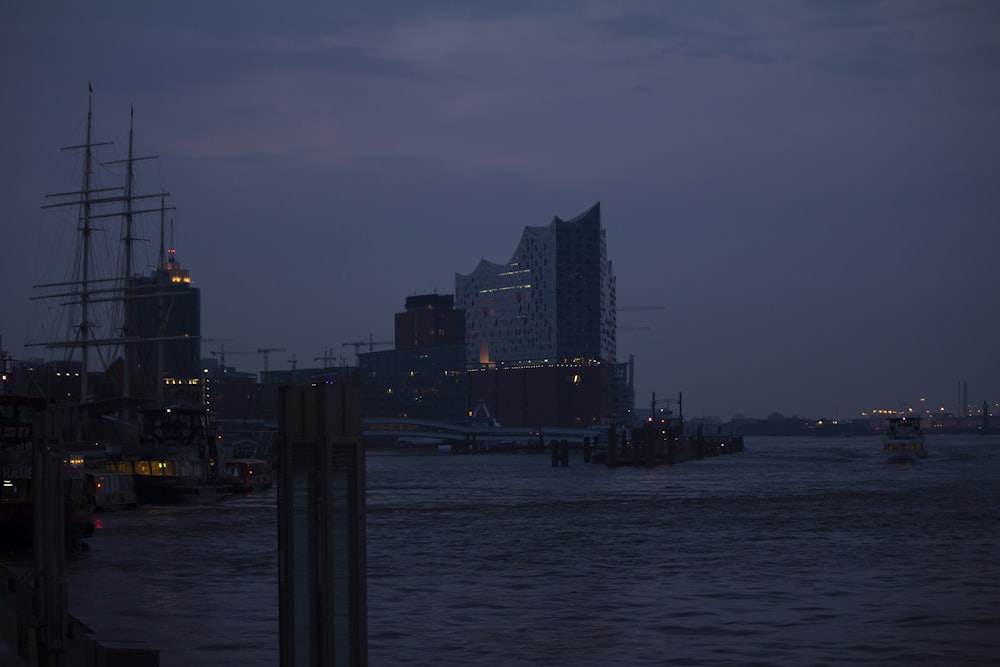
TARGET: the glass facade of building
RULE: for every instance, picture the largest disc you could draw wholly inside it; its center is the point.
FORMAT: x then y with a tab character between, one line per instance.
554	300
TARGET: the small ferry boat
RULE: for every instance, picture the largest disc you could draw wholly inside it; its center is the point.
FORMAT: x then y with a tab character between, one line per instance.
903	439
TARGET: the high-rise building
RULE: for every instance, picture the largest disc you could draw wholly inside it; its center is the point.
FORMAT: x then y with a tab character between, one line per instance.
165	316
541	329
554	300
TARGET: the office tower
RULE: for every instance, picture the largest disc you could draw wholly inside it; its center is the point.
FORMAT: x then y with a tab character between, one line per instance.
165	317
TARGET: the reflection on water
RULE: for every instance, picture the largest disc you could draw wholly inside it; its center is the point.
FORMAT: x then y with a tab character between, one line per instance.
794	552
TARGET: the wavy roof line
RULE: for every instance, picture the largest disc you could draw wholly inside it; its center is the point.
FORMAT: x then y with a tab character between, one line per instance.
485	264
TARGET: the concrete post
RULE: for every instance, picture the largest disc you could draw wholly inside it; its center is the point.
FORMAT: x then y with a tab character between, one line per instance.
321	528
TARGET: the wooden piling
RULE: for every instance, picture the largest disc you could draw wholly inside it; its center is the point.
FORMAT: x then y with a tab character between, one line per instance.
612	457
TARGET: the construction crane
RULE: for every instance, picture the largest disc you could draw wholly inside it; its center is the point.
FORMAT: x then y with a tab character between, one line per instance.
221	353
268	350
327	358
293	362
371	343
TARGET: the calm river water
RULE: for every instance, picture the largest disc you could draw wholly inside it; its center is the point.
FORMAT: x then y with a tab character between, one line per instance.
798	551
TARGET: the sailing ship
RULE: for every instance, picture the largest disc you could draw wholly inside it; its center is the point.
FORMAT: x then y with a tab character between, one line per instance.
142	330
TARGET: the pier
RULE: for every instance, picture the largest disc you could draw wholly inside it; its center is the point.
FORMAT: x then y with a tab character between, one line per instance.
660	444
651	448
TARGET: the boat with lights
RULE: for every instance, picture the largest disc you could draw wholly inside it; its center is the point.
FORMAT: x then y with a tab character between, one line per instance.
26	427
178	459
903	439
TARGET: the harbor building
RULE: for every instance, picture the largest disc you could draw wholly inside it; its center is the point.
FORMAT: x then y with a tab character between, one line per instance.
165	316
272	381
540	340
554	299
423	377
533	341
230	394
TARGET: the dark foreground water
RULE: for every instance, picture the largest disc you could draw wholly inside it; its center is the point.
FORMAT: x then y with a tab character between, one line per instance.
796	552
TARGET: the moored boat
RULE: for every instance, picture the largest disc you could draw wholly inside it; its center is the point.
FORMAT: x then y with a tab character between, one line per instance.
903	439
177	460
23	428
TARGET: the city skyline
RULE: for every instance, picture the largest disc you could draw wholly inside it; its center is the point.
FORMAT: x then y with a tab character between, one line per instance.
800	202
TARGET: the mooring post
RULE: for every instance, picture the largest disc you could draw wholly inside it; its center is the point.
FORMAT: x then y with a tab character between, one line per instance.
612	457
564	453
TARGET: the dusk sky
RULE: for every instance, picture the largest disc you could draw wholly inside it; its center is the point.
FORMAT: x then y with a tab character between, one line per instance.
802	199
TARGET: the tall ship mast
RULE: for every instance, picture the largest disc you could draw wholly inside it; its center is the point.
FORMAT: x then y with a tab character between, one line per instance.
85	200
131	327
144	329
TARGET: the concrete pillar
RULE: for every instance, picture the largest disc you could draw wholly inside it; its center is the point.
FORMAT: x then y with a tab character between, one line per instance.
49	548
322	593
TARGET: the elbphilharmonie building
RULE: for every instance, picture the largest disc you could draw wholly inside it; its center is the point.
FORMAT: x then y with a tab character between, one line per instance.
554	301
540	330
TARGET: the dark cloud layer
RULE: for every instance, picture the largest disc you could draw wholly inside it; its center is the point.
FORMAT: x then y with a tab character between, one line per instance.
810	191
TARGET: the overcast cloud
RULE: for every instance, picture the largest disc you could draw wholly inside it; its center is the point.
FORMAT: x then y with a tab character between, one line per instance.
809	191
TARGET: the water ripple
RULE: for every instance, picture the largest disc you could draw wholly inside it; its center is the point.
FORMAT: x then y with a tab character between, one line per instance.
805	552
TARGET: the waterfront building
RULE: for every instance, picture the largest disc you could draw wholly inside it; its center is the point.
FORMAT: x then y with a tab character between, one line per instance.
423	377
430	320
541	329
572	394
553	300
232	395
272	381
165	317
